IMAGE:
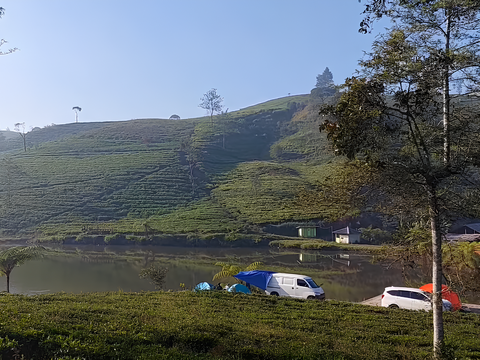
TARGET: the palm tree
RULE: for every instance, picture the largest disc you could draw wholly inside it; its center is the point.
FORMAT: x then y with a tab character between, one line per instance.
229	270
16	256
77	109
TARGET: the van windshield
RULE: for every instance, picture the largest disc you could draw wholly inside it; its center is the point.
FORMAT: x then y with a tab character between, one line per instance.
312	283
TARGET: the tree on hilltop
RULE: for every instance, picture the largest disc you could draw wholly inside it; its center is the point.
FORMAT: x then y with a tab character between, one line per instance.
20	128
324	86
77	109
325	80
212	102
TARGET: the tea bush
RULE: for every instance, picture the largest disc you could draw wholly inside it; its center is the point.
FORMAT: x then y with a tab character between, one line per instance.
219	325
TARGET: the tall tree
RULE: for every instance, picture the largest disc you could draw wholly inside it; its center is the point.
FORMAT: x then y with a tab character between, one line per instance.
445	31
77	109
325	80
16	256
324	86
432	46
212	102
20	128
391	117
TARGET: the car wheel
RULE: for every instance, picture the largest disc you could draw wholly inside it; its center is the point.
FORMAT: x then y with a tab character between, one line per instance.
274	293
393	306
310	297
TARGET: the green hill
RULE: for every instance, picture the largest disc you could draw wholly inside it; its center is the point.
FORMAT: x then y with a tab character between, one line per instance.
154	176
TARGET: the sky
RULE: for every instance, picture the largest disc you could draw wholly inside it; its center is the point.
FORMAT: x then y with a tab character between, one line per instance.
122	60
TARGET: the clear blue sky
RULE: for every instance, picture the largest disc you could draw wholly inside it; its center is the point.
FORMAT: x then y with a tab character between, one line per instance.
121	60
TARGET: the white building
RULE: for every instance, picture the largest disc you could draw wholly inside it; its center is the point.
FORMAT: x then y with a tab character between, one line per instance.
347	236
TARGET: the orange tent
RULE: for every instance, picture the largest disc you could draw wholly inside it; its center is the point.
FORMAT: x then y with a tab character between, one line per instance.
447	294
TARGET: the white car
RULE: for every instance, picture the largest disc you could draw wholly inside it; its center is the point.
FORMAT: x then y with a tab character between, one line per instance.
395	297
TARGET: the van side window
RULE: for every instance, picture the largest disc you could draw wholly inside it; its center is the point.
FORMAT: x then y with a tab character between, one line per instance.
287	281
301	282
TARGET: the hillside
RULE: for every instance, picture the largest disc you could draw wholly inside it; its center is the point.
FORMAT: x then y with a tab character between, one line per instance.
154	176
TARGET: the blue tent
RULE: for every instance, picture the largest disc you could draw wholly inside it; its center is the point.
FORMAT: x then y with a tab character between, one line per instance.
239	288
258	278
204	286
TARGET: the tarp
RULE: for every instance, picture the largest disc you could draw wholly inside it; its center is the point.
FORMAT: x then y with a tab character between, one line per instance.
447	294
239	288
204	286
258	278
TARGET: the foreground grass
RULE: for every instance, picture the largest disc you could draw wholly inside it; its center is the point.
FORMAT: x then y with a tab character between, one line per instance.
219	325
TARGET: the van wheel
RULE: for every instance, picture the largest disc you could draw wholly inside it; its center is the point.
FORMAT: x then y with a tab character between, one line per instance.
393	306
274	293
310	297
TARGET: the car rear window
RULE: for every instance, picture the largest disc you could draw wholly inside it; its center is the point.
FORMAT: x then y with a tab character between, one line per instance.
393	292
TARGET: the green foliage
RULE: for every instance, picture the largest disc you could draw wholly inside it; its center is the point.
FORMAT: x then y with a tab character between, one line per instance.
220	325
16	256
325	80
156	275
212	102
230	270
461	263
375	236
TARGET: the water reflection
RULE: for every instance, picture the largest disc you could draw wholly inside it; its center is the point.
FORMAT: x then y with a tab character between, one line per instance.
351	277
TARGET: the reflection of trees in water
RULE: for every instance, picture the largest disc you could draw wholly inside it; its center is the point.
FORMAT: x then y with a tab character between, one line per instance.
370	274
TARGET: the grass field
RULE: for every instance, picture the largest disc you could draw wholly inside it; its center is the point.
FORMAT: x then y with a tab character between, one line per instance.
185	325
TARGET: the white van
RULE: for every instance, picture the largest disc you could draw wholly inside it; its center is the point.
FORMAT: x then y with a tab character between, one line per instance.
293	285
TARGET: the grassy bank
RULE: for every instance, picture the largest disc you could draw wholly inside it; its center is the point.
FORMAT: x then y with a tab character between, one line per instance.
317	244
219	325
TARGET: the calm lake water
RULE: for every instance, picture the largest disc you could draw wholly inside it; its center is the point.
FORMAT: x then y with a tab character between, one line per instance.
83	268
77	269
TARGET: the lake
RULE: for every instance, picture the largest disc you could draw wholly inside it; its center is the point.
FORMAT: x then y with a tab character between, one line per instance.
87	268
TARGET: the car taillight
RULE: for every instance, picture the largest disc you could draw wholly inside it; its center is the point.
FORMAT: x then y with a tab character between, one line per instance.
382	296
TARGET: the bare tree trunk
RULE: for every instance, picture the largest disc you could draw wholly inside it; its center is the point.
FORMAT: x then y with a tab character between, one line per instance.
446	91
437	304
8	282
24	141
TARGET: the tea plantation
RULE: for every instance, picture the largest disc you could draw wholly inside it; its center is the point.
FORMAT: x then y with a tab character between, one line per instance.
155	177
220	325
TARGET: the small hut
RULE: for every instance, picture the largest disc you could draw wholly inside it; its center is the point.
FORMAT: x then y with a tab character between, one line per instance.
307	231
347	236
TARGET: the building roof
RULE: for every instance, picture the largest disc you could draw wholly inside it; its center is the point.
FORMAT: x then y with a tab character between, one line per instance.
346	231
474	227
